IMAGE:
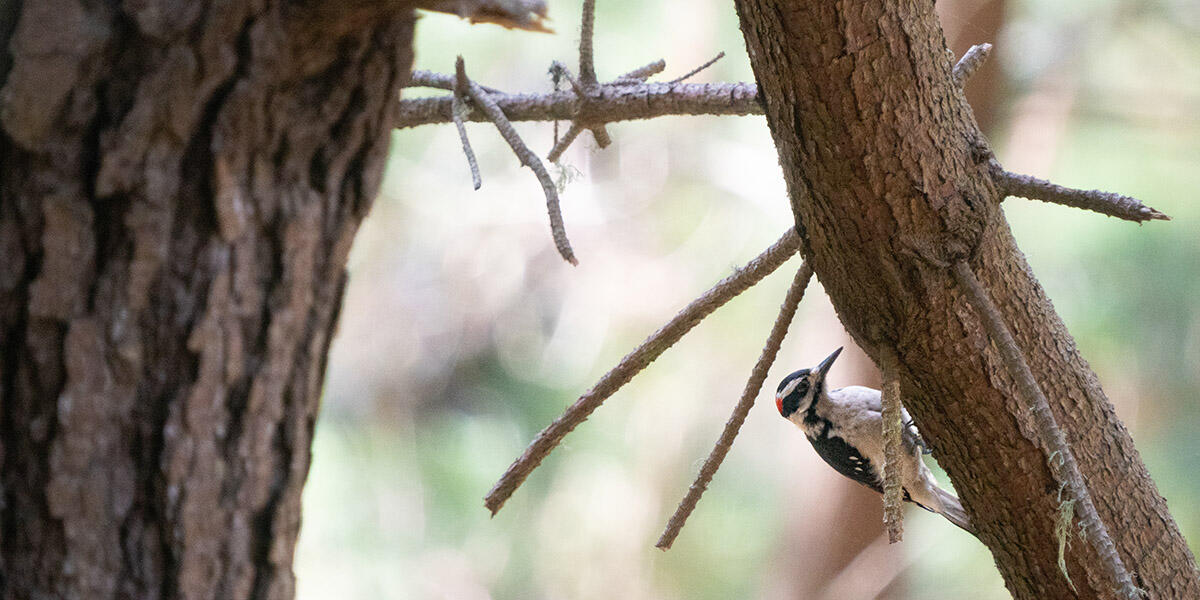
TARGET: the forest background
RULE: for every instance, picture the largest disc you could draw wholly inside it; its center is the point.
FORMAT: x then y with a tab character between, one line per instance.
420	416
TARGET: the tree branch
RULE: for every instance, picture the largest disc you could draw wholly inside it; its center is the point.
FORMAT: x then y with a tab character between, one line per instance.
1105	203
970	62
612	102
1061	460
702	67
644	72
484	102
893	426
633	363
587	65
458	108
757	376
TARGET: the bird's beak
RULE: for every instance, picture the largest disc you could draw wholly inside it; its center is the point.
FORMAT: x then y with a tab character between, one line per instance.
826	364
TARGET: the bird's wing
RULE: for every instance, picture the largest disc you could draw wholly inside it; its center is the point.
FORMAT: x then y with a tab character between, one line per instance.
872	400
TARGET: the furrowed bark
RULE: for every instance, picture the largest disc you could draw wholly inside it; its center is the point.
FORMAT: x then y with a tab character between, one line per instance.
180	184
875	143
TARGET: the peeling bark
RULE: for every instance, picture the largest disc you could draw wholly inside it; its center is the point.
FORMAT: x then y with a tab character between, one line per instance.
180	183
888	186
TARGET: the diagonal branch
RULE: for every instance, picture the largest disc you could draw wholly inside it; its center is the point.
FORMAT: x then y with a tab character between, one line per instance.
458	109
702	67
644	72
563	142
633	363
1061	460
970	62
893	445
529	159
1105	203
757	376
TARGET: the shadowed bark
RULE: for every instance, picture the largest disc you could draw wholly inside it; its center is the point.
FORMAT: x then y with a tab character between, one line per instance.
180	183
890	184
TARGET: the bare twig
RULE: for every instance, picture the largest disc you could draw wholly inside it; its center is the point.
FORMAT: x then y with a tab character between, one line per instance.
438	81
610	102
1061	459
600	134
633	363
562	71
971	60
563	142
893	445
529	159
459	108
702	67
757	376
644	72
1105	203
587	73
587	66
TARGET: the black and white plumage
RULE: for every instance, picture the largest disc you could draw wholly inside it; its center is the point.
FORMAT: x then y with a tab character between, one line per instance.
845	427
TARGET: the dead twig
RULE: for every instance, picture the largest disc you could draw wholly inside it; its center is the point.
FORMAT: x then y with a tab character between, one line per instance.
1105	203
702	67
458	109
644	72
587	66
970	62
563	142
438	81
633	363
893	445
587	73
1061	459
757	376
484	102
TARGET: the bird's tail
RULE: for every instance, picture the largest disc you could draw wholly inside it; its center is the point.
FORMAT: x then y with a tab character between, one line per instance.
953	511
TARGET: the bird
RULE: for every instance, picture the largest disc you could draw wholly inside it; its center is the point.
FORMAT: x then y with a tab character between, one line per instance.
845	427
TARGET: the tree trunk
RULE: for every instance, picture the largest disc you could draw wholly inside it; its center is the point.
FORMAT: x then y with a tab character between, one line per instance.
180	183
889	184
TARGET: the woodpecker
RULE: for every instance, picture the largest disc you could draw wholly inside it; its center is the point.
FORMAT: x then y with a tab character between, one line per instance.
845	427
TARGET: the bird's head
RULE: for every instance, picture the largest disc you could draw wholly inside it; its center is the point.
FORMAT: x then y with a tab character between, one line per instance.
798	391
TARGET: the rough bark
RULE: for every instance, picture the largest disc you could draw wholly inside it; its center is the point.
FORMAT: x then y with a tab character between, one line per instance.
180	183
889	184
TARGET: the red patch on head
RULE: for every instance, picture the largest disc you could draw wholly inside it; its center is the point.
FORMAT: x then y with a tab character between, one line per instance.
779	404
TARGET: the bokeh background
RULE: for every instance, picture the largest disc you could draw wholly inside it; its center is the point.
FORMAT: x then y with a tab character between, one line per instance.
463	333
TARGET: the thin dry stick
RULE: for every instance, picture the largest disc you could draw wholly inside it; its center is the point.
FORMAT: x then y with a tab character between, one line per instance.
561	144
587	69
564	142
970	62
458	109
893	445
644	72
702	67
587	66
529	159
438	81
1105	203
1061	459
757	376
683	322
